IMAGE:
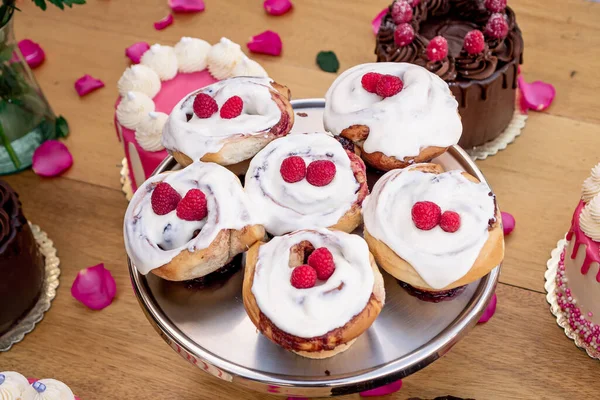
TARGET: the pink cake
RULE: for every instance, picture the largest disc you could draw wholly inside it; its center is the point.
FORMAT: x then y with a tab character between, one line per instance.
151	89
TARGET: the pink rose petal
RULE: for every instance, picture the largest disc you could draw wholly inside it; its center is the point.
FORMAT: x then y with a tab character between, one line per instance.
537	95
187	6
277	7
163	23
383	390
32	53
508	223
376	23
136	51
490	310
95	287
87	84
267	42
51	158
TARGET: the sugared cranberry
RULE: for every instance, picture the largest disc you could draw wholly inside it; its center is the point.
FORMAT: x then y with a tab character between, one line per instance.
320	173
402	12
496	27
474	42
404	35
389	85
450	221
437	49
303	277
495	6
369	81
426	215
293	169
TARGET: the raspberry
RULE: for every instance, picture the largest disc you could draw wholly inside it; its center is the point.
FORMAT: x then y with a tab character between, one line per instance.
437	49
164	199
450	221
474	42
320	173
402	12
369	81
404	35
414	3
322	261
389	85
426	215
303	277
232	107
497	27
293	169
495	6
204	105
193	206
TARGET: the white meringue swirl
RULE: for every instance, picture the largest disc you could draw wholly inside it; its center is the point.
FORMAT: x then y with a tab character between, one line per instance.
589	219
133	108
53	390
162	60
191	54
139	78
591	186
14	386
149	131
223	58
248	67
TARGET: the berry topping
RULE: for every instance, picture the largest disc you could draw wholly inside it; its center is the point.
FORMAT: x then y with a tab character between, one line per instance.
320	173
164	199
497	27
232	107
402	12
303	277
437	49
193	206
414	3
426	215
322	261
495	6
369	81
404	35
450	221
293	169
388	86
474	42
204	105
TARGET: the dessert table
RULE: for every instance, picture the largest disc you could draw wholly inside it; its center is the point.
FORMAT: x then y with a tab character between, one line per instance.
115	353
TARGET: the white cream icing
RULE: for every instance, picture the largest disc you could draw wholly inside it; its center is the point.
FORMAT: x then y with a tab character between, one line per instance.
139	78
286	207
49	389
162	60
191	54
145	231
315	311
134	106
439	257
248	67
423	114
200	136
149	131
589	219
591	186
223	58
13	386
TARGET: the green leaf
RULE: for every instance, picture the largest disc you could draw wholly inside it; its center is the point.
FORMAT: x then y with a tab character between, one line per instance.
62	127
328	61
40	3
6	53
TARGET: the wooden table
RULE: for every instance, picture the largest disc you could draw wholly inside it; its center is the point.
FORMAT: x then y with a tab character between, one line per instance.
115	354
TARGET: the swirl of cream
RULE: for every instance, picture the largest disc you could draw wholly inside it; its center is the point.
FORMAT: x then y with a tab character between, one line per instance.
591	185
423	114
313	312
223	57
191	54
162	60
248	67
139	78
133	108
154	240
589	219
476	66
286	207
439	257
13	386
149	131
49	389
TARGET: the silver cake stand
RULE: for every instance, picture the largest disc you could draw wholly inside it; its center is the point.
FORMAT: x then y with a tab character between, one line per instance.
210	329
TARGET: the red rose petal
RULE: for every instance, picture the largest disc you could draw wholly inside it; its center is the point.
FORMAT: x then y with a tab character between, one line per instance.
95	287
537	95
87	84
508	223
163	23
51	158
187	6
383	390
136	51
267	42
490	310
277	7
32	53
376	23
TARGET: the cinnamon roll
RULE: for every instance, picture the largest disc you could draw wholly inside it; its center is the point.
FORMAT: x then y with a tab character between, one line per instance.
189	223
307	180
433	230
313	292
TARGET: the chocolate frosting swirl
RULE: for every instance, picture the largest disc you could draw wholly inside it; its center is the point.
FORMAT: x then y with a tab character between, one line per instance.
438	7
476	66
445	69
9	213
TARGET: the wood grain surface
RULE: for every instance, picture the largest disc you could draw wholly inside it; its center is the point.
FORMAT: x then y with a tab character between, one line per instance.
115	354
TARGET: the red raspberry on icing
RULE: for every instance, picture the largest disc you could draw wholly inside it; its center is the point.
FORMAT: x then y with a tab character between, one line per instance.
232	107
293	169
320	173
426	215
164	199
389	85
193	206
495	6
474	42
404	35
496	27
369	81
450	221
204	105
303	277
437	49
322	261
402	12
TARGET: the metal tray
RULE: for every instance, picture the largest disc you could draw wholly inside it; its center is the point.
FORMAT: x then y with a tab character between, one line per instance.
210	328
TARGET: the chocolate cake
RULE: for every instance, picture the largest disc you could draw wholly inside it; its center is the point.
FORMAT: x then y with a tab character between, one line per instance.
483	83
21	264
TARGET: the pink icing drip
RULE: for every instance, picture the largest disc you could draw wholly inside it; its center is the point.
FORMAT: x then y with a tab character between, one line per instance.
592	249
